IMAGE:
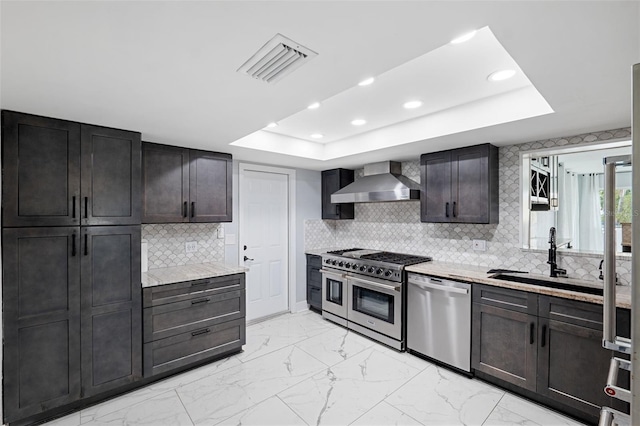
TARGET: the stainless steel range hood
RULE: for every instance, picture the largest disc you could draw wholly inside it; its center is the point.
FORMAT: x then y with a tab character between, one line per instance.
381	182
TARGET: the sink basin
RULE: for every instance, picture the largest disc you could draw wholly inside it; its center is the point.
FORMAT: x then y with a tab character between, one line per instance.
550	283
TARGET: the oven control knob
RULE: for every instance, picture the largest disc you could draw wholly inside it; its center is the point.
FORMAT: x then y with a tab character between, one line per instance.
379	271
340	263
333	262
363	268
327	261
347	265
388	273
371	269
354	266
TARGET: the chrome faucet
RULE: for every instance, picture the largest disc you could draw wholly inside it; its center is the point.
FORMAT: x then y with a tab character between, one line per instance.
555	271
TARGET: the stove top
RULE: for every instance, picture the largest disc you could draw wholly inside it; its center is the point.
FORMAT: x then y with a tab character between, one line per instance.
375	263
381	256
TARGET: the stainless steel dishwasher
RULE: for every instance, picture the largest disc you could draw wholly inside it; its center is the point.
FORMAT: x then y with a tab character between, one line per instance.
439	320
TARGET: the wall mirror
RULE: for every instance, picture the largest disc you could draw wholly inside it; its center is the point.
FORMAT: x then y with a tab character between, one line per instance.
563	187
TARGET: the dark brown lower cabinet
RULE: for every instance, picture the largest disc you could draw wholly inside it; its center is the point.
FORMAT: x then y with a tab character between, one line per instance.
111	308
505	345
555	356
314	281
41	319
190	322
572	364
72	315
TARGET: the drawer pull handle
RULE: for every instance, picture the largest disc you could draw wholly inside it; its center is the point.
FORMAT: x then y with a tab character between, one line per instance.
199	283
199	332
543	339
205	300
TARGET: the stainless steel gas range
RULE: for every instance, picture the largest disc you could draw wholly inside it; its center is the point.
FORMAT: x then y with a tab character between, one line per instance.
365	291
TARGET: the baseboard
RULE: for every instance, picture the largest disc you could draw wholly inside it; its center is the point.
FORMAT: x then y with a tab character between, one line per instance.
300	306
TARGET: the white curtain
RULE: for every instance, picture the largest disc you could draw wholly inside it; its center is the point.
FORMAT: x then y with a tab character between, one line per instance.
590	235
568	212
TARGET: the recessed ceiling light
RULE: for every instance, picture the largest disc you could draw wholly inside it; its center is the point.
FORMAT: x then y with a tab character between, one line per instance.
359	122
314	105
501	75
272	125
464	37
413	104
317	135
366	82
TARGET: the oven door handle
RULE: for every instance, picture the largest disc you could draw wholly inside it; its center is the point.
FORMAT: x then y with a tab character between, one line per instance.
446	289
335	274
374	285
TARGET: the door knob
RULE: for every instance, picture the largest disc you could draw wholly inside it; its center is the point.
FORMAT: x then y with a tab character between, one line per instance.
247	258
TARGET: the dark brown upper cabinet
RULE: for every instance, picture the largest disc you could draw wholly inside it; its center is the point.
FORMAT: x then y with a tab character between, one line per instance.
61	173
460	185
332	181
184	185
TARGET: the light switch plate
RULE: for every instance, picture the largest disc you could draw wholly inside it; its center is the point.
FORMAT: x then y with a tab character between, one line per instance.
479	245
191	246
220	232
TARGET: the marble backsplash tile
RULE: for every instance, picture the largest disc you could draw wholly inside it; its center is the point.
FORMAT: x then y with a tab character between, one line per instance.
396	226
166	243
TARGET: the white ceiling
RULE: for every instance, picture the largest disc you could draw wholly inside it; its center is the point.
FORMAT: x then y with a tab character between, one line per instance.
168	69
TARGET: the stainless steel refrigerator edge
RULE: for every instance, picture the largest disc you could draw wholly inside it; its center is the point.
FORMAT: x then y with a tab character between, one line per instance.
635	243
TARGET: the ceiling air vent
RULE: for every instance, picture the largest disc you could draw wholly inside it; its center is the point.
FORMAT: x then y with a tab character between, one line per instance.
277	58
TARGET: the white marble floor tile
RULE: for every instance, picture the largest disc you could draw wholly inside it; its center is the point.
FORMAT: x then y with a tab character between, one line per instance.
87	415
335	345
438	396
72	419
385	415
219	396
165	409
342	393
270	412
280	332
157	388
405	357
514	410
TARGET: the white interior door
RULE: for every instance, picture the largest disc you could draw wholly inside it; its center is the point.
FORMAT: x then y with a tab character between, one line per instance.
264	230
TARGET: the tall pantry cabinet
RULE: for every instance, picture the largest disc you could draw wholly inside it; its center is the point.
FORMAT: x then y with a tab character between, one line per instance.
71	262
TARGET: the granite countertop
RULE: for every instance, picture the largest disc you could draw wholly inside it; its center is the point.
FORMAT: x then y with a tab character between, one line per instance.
176	274
478	274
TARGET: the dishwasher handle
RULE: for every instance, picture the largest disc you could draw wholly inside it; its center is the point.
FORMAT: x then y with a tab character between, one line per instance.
426	285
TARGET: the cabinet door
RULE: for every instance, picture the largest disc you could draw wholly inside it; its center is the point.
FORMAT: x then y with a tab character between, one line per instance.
110	176
209	187
332	181
111	307
504	345
473	184
41	299
41	163
572	364
165	184
435	198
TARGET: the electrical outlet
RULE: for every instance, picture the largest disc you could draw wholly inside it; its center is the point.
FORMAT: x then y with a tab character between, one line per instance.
191	246
220	232
479	245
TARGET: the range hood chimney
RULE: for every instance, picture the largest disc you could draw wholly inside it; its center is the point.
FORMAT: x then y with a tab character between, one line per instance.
381	182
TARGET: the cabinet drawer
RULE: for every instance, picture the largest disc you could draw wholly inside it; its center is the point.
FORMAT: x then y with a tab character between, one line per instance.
314	276
313	260
170	293
179	317
582	314
506	298
186	348
314	296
